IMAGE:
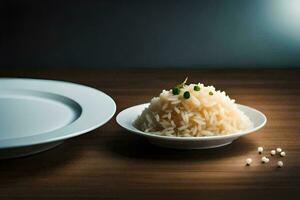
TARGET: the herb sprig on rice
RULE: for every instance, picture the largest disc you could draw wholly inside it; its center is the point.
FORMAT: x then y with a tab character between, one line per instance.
192	110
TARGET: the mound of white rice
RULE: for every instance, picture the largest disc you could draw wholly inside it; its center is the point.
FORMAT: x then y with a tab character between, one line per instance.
192	112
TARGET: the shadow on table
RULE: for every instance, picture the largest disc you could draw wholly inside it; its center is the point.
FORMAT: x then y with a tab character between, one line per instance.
136	147
24	168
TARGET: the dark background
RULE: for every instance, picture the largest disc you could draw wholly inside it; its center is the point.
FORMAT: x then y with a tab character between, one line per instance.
129	33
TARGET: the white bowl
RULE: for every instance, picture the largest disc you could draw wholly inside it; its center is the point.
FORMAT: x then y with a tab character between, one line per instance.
126	118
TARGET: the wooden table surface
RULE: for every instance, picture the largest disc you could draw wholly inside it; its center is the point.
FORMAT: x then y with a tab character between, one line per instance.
109	163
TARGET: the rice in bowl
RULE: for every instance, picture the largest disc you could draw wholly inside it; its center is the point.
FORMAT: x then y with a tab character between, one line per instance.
192	110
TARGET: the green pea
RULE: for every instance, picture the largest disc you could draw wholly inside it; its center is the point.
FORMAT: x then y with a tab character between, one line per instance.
175	90
196	88
186	95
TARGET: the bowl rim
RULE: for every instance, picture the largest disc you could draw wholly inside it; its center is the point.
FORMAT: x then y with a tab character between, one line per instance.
133	129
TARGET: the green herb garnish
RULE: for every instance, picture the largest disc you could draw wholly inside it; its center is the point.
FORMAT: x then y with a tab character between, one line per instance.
210	93
196	88
181	85
175	90
186	95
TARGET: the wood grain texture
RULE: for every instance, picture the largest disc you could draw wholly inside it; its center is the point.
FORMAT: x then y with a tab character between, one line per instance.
108	163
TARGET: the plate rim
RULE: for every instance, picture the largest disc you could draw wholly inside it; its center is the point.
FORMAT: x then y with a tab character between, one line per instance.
34	139
206	138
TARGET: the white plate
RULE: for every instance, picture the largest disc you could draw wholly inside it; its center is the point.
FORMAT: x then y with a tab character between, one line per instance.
127	116
36	115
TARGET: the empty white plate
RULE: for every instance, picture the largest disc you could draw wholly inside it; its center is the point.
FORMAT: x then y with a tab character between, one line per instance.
36	115
126	118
